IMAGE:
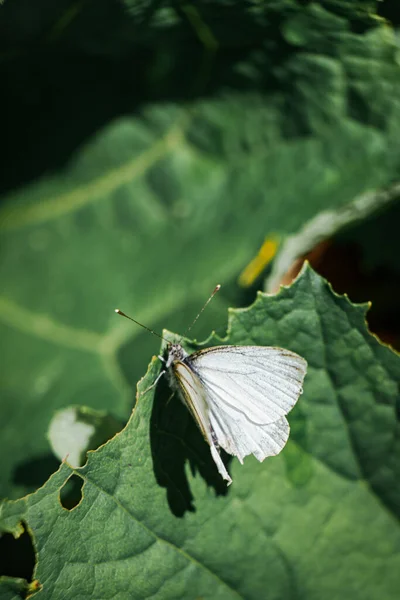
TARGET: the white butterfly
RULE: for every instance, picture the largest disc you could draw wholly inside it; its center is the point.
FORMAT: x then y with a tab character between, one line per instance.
238	395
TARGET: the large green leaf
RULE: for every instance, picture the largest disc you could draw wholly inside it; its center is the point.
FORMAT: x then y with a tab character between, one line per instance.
320	521
238	121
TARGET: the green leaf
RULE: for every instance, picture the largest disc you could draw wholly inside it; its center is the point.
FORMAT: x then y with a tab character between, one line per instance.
239	120
12	588
318	521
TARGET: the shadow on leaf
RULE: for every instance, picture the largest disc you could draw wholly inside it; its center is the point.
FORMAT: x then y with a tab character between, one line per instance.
175	439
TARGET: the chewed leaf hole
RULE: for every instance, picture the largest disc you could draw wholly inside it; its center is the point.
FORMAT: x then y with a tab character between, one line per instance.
17	555
71	492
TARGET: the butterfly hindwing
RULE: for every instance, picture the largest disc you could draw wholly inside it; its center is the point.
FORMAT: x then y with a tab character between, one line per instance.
239	437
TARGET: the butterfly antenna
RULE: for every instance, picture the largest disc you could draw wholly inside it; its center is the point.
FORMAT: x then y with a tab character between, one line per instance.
119	312
217	288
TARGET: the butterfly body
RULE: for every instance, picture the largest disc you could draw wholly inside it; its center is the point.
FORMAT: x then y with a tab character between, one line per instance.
175	353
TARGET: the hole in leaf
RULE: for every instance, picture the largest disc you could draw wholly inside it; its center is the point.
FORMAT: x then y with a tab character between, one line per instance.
17	555
71	492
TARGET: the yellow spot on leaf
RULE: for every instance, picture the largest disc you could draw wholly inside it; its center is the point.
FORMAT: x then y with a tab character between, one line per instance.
33	587
259	262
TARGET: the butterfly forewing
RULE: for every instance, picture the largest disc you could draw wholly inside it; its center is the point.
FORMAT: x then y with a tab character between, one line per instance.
263	383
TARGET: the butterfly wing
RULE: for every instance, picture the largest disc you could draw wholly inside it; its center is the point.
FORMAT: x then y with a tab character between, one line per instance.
193	394
249	390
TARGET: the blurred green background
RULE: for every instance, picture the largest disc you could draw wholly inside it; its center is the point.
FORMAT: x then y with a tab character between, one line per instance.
149	150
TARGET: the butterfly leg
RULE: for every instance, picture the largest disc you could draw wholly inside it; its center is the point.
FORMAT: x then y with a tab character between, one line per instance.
220	465
161	358
170	398
153	384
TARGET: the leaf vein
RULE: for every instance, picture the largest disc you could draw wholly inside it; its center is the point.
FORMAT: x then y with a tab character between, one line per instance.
160	539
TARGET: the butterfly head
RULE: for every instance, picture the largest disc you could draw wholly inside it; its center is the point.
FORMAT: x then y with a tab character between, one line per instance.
175	352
